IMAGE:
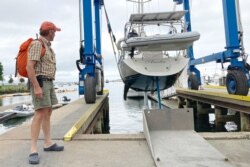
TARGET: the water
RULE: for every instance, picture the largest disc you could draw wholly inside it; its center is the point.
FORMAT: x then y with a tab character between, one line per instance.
13	100
125	116
12	123
27	99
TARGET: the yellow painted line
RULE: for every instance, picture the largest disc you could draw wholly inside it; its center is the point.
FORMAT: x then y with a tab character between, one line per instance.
214	86
236	97
105	91
72	132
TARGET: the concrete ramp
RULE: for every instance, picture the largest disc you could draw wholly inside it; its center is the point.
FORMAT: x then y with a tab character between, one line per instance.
173	142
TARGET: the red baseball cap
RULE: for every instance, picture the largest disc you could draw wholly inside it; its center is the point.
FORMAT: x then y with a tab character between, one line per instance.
49	26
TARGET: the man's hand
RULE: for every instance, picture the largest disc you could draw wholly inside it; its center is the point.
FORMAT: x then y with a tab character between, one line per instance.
38	92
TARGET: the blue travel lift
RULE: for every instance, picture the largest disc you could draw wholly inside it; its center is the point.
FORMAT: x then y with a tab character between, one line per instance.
237	79
91	75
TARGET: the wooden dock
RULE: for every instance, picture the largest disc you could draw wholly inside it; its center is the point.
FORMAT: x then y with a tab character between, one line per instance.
70	125
217	101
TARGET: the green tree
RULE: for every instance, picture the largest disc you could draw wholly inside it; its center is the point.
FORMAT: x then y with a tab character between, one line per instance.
10	80
1	72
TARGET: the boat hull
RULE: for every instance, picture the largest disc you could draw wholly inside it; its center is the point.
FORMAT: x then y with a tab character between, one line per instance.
20	113
142	75
141	82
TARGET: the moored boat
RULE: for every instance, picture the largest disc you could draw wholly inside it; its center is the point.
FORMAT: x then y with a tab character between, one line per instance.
23	110
65	100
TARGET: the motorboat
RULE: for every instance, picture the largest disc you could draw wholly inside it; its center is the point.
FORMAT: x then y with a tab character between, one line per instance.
154	61
65	100
23	110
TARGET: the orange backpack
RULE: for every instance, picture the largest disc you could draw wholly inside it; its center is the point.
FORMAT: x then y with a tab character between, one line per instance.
22	57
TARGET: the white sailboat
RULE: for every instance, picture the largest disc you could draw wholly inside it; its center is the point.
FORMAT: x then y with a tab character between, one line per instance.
153	61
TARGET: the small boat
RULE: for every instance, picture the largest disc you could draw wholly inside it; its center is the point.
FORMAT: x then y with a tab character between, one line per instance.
23	110
65	100
231	126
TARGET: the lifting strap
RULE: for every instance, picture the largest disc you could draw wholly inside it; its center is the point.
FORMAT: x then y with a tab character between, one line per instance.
111	34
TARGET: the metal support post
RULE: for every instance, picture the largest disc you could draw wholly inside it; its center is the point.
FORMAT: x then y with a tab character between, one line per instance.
98	30
146	100
245	122
158	92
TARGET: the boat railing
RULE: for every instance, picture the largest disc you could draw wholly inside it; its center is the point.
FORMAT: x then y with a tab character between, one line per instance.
173	28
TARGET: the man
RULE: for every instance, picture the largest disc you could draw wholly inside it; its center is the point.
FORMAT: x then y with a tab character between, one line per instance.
41	72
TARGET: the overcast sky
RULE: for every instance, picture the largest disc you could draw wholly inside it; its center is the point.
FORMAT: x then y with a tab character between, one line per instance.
21	19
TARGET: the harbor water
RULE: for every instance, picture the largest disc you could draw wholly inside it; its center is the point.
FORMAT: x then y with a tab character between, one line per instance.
125	116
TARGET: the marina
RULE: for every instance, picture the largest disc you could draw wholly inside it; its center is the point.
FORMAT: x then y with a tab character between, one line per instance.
159	111
125	117
78	126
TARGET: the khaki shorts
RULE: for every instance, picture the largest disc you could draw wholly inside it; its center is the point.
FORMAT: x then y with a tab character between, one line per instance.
49	96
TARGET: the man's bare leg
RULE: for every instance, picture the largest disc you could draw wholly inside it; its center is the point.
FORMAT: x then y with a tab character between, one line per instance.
35	129
46	127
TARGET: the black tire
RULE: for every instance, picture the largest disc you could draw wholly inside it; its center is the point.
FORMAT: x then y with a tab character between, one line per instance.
102	85
193	82
89	89
237	83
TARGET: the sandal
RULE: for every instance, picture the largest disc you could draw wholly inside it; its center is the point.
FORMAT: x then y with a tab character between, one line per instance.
54	147
34	158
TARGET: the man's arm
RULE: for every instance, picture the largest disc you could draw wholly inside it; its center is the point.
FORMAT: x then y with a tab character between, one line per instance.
32	77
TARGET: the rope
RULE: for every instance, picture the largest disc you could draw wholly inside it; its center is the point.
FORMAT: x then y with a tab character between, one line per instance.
111	34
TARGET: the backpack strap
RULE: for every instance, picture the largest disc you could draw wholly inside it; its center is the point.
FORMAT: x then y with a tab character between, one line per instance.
43	48
42	52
